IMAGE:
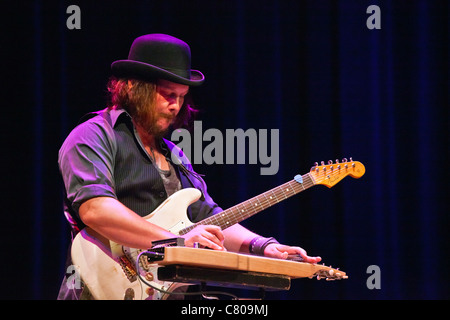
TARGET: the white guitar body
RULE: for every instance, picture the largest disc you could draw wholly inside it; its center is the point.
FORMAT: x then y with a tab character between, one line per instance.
107	267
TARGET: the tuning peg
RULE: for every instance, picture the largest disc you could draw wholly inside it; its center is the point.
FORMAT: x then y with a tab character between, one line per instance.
322	163
351	159
344	160
316	167
330	161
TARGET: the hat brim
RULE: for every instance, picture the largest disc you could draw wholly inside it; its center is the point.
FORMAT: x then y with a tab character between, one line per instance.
145	71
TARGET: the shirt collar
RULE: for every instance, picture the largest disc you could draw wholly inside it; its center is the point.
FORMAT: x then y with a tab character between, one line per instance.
116	113
119	113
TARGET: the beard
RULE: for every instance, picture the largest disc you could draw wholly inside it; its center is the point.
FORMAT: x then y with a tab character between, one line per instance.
147	119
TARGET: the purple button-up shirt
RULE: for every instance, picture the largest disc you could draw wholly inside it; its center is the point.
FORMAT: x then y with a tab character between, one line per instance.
104	156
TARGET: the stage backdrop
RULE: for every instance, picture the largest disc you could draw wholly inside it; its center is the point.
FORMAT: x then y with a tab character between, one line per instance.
336	79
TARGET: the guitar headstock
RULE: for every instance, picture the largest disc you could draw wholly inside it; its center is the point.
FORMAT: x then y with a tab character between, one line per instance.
332	173
320	271
329	274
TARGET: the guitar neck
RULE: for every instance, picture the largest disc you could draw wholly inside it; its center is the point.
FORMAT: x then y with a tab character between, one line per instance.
248	208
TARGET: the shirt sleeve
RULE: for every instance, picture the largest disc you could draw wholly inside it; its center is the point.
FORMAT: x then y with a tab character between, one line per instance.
86	162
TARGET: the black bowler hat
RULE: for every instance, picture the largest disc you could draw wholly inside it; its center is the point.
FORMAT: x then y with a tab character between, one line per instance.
159	56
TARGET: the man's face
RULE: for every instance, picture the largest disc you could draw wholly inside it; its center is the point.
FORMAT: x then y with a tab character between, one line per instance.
156	119
169	100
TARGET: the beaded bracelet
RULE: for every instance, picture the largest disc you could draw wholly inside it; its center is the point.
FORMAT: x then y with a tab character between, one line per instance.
258	244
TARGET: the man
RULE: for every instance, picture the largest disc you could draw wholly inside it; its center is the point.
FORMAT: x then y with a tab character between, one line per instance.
117	167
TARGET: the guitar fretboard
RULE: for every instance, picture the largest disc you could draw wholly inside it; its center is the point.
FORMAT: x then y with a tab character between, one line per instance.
248	208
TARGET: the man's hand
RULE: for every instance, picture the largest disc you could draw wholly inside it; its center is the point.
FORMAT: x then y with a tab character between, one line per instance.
206	236
281	251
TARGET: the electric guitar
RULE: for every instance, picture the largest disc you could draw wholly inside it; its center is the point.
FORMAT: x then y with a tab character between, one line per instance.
109	269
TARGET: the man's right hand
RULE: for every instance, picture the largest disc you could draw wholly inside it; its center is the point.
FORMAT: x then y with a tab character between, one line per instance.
208	236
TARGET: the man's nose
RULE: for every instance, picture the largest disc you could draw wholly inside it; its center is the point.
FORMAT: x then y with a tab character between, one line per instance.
176	103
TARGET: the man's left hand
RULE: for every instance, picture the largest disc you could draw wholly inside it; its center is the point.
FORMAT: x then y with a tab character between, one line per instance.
282	251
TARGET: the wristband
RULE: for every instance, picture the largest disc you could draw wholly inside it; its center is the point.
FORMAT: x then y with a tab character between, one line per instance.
258	244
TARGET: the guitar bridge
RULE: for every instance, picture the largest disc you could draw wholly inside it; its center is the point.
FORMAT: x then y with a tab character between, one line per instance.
128	268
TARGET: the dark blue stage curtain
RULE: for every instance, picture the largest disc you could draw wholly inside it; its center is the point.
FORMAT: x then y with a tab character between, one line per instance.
311	69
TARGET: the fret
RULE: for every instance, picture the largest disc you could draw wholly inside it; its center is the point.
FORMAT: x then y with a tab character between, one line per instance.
281	193
225	219
299	187
290	189
241	209
309	182
302	184
267	202
236	214
256	204
273	196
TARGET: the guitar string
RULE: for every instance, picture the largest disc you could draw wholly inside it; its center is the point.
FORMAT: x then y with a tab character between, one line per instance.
237	215
251	207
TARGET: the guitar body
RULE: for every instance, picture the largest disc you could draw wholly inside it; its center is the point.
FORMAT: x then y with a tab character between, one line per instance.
107	268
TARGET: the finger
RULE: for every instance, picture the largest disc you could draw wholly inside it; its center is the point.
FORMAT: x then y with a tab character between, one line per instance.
205	238
210	244
213	239
203	242
297	251
216	231
308	258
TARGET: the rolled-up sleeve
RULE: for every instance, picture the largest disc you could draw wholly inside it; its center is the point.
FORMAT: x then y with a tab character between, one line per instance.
86	162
